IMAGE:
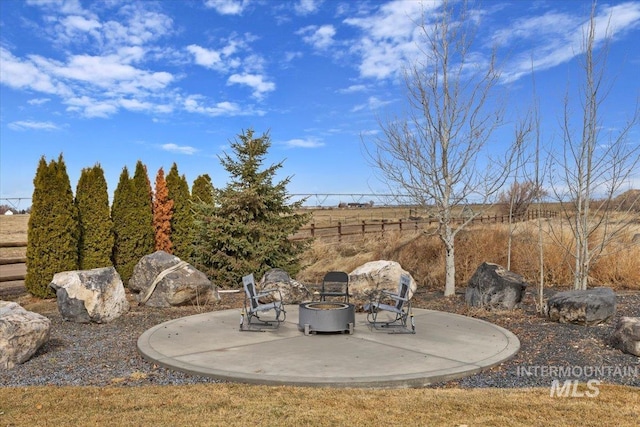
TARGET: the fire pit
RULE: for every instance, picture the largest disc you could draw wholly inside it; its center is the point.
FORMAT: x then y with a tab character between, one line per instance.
326	317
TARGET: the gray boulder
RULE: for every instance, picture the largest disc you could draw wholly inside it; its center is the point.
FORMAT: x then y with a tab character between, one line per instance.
292	291
86	296
163	280
22	333
368	280
494	287
626	335
582	307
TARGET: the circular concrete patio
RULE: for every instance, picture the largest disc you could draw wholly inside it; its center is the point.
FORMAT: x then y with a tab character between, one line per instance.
445	347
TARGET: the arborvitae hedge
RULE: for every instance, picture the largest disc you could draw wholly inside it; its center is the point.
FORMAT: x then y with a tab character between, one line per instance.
162	212
52	235
248	229
132	221
96	227
202	190
182	220
144	233
123	217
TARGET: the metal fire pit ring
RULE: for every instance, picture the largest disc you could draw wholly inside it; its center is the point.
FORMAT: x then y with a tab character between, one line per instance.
325	316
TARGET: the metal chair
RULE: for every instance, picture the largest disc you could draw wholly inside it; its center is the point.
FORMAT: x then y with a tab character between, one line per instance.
400	310
335	284
253	308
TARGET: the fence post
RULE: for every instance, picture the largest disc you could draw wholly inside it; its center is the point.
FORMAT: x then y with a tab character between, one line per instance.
313	230
339	231
364	225
383	227
400	224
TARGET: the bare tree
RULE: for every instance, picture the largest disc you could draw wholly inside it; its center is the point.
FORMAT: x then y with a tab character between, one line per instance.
594	165
435	154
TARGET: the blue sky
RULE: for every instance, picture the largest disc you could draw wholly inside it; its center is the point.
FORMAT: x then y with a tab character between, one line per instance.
113	82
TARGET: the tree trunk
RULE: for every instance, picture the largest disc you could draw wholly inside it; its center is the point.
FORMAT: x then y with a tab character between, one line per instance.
449	266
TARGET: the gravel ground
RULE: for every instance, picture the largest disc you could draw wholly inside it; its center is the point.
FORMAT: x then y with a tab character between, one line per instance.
106	354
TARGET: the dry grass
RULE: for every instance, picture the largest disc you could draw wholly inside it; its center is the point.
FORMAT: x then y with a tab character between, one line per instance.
236	404
13	228
421	253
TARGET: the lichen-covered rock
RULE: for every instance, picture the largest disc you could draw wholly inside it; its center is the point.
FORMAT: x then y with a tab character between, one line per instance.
582	307
292	291
626	335
22	332
493	286
368	280
86	296
180	286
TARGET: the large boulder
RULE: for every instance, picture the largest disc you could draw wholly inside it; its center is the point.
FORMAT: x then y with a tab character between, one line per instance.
368	280
86	296
163	280
626	335
582	307
22	332
292	291
494	287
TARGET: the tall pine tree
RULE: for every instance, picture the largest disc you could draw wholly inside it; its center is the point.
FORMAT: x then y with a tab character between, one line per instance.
182	220
52	235
162	212
96	227
202	189
248	229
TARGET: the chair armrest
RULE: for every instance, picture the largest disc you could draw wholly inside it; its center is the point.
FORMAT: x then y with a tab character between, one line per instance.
394	295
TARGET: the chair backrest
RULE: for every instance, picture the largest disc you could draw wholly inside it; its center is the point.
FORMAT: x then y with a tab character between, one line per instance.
403	290
249	284
334	280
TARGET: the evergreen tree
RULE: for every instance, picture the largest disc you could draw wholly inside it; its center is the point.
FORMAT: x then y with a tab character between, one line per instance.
132	214
202	189
123	219
52	233
96	227
162	212
248	229
143	233
182	220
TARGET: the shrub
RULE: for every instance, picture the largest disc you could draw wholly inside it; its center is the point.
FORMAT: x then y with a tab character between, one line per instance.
96	227
52	234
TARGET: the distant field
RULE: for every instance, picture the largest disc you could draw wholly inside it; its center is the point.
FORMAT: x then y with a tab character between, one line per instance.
13	228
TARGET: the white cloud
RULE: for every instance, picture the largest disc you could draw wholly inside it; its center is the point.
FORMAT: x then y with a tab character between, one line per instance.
38	101
33	125
61	6
306	7
304	143
205	57
373	103
90	107
181	149
353	89
389	38
227	7
319	37
24	74
254	81
192	104
557	38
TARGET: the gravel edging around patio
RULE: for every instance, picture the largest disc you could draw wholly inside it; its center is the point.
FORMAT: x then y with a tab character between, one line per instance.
106	354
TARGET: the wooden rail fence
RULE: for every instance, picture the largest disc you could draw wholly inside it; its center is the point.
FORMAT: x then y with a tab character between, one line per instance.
332	231
381	226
